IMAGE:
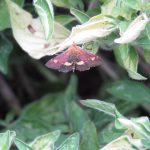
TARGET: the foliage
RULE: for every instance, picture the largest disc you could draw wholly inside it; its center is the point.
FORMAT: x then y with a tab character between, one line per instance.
29	126
119	30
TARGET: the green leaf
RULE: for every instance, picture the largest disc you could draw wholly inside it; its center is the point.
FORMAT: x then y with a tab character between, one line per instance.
46	14
19	2
76	4
45	142
97	27
69	3
5	50
21	145
107	108
70	95
136	4
53	110
124	51
4	14
64	19
148	30
109	134
81	17
146	143
147	55
144	43
93	12
89	139
138	126
76	116
61	3
124	142
92	47
72	143
123	25
50	118
128	59
110	7
130	91
6	140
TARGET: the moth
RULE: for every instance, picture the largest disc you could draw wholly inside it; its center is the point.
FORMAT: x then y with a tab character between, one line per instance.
74	58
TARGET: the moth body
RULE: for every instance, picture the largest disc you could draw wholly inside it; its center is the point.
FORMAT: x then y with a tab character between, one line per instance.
74	58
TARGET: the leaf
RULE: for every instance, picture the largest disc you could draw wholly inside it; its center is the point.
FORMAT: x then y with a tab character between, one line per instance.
148	30
136	76
46	14
81	17
53	110
110	7
147	55
144	43
21	145
70	92
68	3
61	3
4	14
78	4
138	126
108	134
107	108
29	126
97	27
136	27
128	59
92	47
45	142
124	142
76	116
6	140
71	110
123	25
24	28
124	51
64	19
5	50
146	144
130	91
137	4
71	143
89	139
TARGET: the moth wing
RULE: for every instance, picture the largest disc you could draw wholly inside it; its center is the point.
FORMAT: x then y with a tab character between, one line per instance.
82	67
58	63
64	68
88	60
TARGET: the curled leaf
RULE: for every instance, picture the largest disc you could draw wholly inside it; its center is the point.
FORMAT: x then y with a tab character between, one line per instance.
133	31
97	27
